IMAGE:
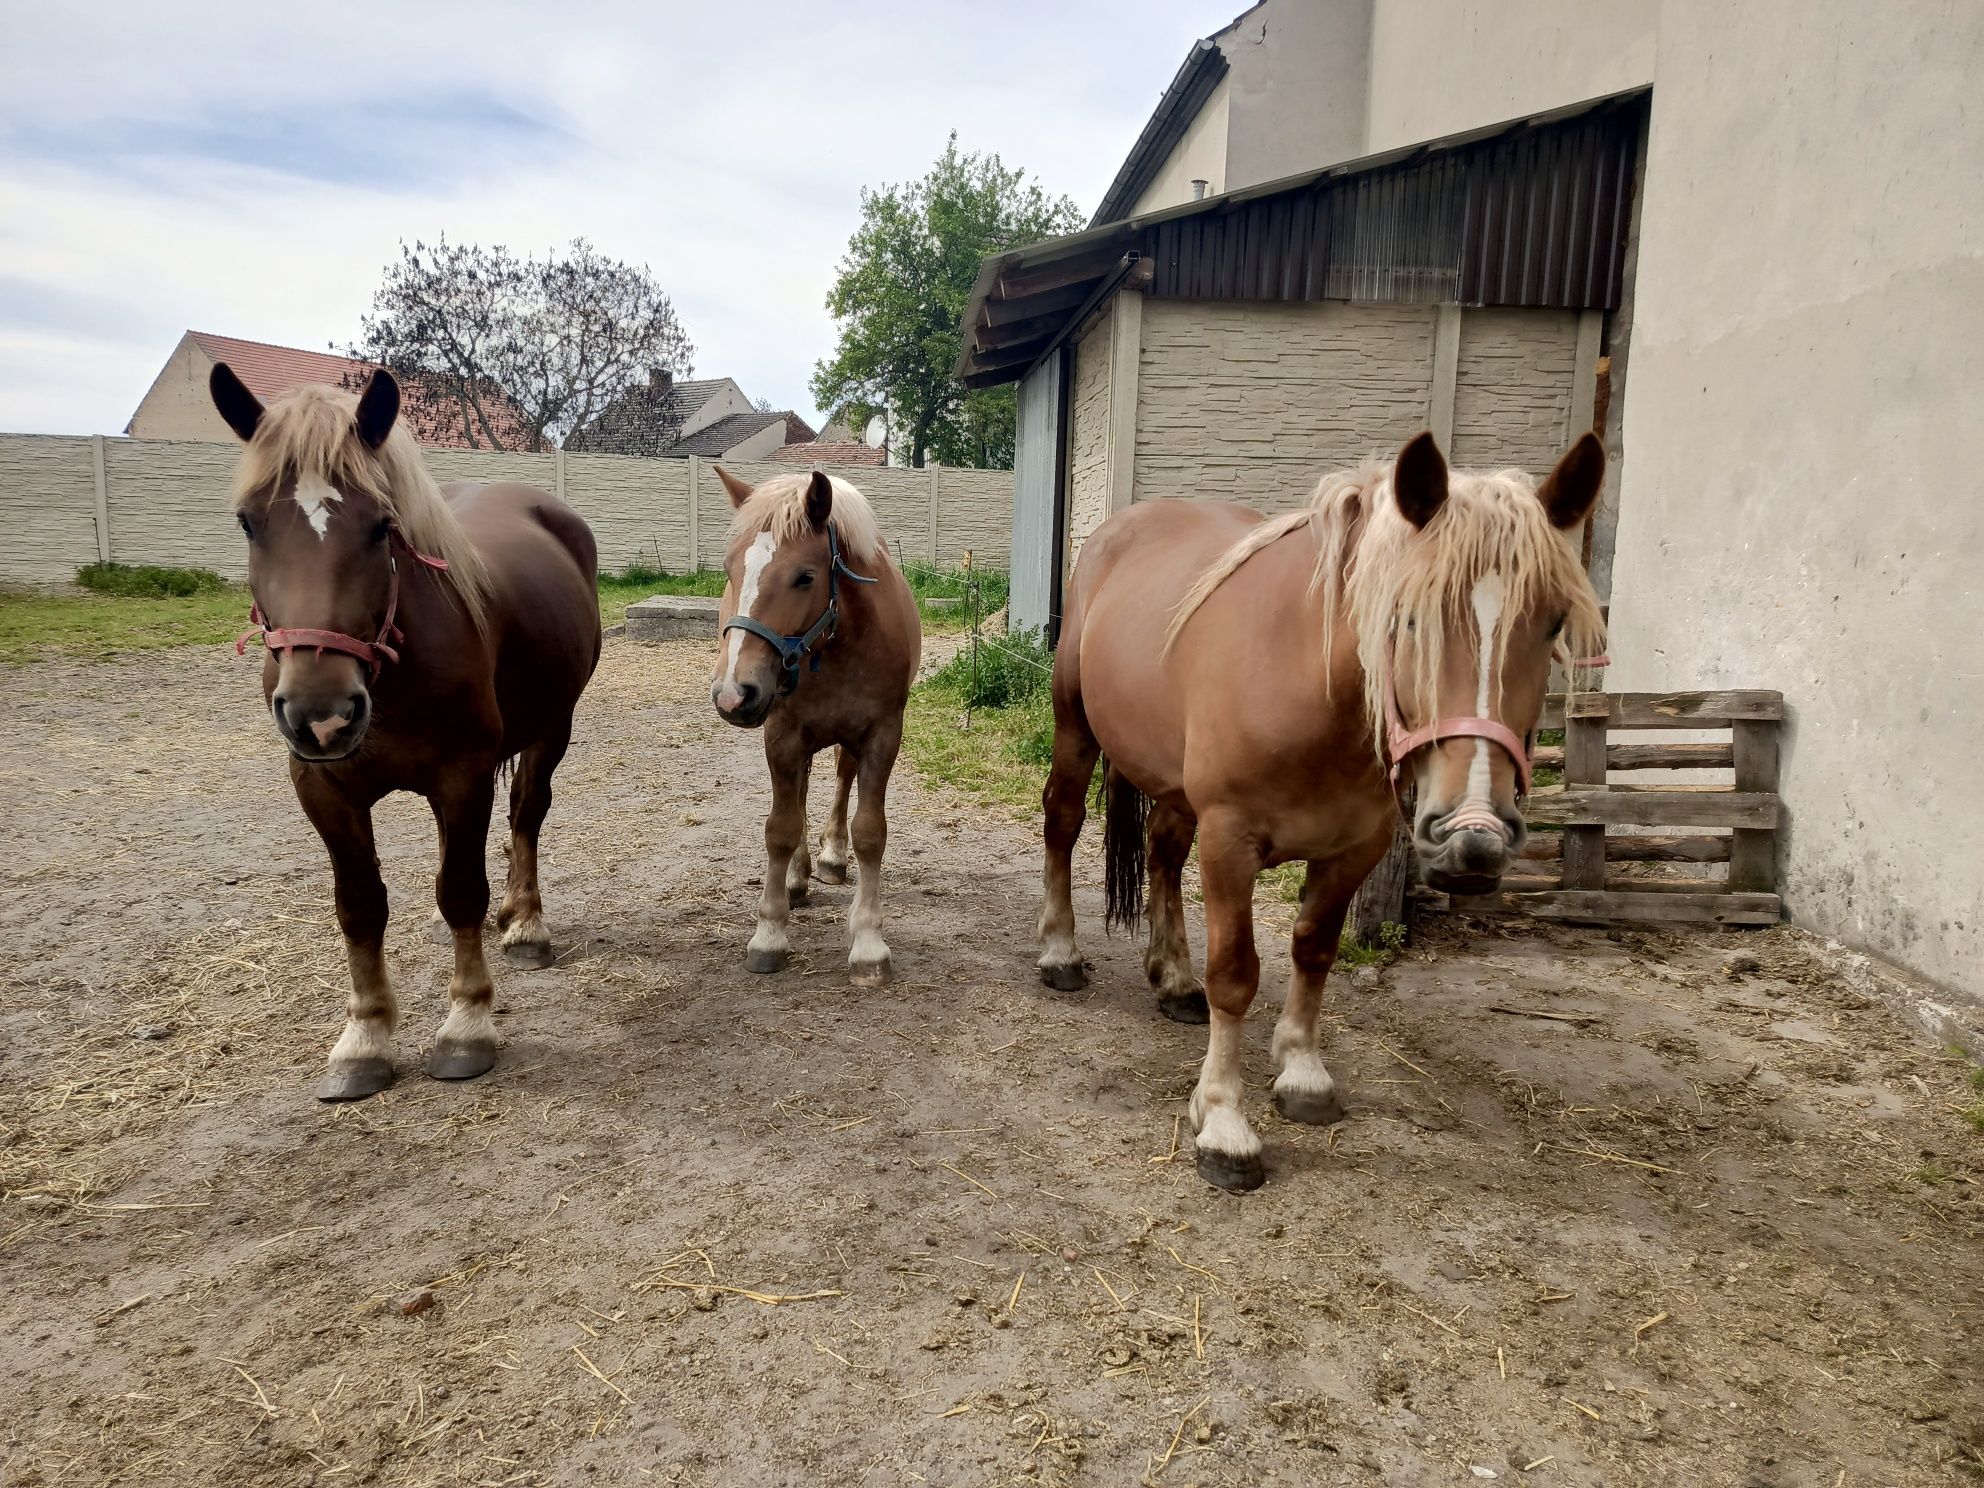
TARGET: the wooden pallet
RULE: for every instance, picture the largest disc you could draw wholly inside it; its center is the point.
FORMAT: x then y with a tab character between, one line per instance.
1729	878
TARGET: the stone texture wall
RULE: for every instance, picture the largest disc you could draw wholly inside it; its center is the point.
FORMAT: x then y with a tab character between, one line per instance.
1252	402
168	503
1512	389
1088	436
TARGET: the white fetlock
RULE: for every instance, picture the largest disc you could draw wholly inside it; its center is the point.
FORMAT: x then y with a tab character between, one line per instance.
367	1039
769	939
1303	1073
1224	1130
526	930
469	1023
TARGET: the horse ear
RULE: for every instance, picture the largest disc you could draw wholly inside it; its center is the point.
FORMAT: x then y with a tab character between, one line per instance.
241	408
1419	479
378	406
739	491
1570	491
819	501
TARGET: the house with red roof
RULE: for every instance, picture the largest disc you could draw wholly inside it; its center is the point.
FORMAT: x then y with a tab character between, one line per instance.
177	405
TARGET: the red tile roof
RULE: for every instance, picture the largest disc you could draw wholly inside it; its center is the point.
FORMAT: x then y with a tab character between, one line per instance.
268	370
812	453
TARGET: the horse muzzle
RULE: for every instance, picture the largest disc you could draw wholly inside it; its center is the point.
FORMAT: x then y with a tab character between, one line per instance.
742	704
1466	851
322	731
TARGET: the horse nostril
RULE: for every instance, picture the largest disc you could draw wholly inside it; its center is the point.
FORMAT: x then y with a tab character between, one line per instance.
747	697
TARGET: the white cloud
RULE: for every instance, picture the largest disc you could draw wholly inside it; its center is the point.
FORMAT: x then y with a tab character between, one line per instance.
251	171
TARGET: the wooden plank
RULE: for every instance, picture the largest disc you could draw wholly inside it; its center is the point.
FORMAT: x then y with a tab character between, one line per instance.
1710	756
1585	806
1584	765
1658	710
1012	333
1543	846
1030	307
1753	856
1057	275
1602	906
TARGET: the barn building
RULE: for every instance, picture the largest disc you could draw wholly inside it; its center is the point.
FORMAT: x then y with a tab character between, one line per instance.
1743	243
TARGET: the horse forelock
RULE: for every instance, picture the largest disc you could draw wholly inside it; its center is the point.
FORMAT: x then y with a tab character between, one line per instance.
310	433
778	506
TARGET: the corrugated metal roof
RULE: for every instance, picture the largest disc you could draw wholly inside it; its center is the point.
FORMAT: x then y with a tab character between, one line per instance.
1531	212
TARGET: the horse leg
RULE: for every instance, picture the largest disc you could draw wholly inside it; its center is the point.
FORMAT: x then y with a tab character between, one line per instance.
1064	800
1304	1091
361	1060
1229	1152
1168	958
466	1045
799	871
833	841
525	940
868	957
785	829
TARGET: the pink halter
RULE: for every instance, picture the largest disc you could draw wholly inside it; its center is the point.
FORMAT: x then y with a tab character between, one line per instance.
373	653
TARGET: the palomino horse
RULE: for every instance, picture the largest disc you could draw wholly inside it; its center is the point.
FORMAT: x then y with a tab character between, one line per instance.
415	642
820	642
1398	632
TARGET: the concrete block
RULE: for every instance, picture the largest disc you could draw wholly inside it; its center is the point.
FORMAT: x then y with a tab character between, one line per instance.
672	617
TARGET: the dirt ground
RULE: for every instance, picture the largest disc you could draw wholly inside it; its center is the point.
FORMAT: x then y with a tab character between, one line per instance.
1604	1211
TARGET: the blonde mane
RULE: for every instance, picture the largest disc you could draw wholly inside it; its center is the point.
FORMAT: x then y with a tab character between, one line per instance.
1377	570
311	431
778	506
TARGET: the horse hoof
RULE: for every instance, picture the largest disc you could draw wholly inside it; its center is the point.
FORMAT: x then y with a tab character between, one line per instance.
1308	1107
1185	1007
532	955
764	963
355	1079
797	894
869	973
1234	1174
1072	977
832	873
456	1061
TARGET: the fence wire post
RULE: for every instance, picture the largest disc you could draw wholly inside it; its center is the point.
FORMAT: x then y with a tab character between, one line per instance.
971	600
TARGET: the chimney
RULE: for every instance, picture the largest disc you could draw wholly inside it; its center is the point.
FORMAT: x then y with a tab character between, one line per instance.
1199	188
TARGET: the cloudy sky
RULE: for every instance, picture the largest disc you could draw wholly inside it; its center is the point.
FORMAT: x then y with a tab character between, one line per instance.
249	168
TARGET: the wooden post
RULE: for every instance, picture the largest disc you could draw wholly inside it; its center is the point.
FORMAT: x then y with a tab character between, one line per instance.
1585	718
1753	851
102	499
1381	897
695	515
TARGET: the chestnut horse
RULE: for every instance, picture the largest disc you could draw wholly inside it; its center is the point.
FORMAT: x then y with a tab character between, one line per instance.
820	641
1392	638
416	642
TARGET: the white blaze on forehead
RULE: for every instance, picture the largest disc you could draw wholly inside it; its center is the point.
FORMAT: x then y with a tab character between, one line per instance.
315	497
755	558
1490	592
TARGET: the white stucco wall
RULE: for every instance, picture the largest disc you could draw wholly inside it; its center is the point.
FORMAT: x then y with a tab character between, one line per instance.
1438	67
1200	155
1299	79
725	401
178	405
1088	434
1801	507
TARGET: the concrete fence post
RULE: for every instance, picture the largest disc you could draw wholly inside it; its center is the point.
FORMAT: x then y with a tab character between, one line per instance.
558	475
102	499
695	514
933	513
1446	372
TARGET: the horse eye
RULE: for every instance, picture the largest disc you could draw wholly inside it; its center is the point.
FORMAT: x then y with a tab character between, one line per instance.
242	518
380	532
803	581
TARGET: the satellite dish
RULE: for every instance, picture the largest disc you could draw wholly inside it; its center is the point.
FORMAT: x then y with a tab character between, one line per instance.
876	433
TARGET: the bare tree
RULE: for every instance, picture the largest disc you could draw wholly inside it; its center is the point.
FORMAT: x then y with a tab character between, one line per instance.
517	353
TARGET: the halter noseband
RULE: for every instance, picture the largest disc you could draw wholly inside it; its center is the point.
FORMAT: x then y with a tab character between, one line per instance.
1401	742
374	653
794	649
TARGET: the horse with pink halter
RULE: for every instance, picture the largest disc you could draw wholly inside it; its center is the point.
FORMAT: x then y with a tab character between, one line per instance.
1386	648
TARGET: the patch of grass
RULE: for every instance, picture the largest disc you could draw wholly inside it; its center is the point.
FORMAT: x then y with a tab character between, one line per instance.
1350	951
149	581
1002	757
952	588
38	626
1933	1176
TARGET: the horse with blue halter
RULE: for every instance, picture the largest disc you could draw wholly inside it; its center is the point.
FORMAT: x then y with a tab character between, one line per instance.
416	640
819	643
1384	649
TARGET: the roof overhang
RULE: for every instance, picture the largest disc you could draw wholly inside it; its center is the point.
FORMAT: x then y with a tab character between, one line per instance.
1201	72
1025	301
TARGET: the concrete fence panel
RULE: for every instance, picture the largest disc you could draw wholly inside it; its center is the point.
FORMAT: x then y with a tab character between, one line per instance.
65	502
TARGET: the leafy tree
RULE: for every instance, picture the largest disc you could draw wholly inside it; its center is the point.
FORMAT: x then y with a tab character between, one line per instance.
517	353
900	299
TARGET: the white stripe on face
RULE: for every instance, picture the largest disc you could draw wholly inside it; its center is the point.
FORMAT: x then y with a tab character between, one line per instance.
1489	594
315	497
755	559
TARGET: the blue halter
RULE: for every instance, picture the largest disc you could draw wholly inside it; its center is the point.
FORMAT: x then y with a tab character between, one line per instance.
794	649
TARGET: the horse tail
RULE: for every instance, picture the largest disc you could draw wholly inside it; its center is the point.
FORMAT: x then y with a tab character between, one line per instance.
1125	812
